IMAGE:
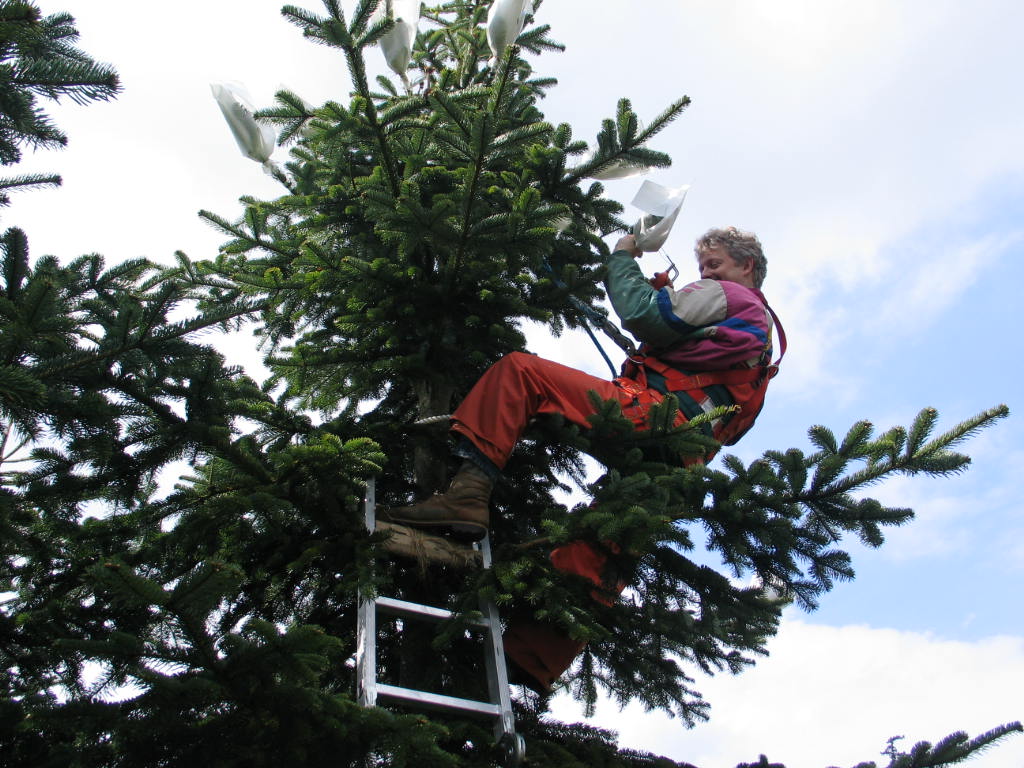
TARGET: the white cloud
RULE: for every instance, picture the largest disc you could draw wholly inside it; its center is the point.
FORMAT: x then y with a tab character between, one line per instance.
932	282
834	695
941	524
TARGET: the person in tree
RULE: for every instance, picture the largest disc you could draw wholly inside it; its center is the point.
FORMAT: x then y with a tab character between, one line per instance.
708	343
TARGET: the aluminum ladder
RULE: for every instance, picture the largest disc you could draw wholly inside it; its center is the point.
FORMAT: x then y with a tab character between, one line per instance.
371	691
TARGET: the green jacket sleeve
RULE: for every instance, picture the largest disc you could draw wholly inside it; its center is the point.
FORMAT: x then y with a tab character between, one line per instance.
635	301
664	317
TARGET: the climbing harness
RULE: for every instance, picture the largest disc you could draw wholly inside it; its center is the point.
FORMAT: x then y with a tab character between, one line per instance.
705	390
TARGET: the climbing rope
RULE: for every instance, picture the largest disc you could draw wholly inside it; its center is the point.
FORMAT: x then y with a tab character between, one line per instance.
428	420
599	321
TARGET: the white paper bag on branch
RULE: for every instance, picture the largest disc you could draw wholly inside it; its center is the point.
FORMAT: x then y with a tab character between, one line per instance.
562	223
397	43
255	140
618	169
504	23
662	205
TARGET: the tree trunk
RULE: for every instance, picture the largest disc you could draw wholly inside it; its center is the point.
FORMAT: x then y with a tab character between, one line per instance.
429	467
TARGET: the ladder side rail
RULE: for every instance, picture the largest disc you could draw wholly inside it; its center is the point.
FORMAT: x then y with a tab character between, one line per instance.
366	646
494	657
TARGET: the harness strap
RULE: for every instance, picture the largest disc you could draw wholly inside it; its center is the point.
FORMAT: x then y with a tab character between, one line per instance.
676	379
691	389
782	335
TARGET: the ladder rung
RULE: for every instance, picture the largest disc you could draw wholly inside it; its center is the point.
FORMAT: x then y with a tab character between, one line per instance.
397	607
438	701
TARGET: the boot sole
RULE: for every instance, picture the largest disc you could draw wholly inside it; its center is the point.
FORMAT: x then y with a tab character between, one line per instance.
459	530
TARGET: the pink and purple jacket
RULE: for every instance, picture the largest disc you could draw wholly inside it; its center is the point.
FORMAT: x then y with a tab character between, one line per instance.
708	325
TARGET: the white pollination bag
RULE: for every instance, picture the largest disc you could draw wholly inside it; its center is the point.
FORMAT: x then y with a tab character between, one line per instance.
397	43
617	169
662	205
255	140
504	23
620	169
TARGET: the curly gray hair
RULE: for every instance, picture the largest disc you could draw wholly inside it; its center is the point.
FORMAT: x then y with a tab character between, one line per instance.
741	246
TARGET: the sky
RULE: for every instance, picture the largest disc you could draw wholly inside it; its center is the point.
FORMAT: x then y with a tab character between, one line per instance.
877	149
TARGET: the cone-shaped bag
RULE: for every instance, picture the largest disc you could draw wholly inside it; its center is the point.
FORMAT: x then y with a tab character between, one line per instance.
256	141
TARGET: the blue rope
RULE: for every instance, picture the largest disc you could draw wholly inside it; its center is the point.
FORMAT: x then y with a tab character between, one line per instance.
600	349
598	320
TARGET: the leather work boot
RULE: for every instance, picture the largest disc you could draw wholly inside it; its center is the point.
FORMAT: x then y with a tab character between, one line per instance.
463	510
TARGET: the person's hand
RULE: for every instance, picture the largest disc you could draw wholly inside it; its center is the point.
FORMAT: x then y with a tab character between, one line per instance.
628	243
660	280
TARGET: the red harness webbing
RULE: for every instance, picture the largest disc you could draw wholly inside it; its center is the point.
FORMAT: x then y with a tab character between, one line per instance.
634	380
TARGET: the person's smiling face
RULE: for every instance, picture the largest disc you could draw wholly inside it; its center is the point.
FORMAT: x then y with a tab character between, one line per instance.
716	264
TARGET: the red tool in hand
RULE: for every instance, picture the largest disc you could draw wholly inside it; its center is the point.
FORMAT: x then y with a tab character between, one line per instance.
661	279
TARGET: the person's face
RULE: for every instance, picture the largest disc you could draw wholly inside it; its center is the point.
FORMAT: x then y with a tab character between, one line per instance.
716	264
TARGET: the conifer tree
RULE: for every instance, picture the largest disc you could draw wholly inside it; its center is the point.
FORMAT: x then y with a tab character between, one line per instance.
215	624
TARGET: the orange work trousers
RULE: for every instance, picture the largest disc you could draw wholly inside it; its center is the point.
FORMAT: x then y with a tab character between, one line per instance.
493	417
